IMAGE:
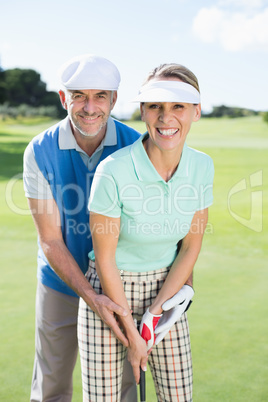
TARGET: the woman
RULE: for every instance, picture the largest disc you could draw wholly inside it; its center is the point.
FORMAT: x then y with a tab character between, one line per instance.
146	198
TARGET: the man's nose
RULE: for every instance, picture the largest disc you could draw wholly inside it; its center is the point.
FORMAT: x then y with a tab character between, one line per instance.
89	106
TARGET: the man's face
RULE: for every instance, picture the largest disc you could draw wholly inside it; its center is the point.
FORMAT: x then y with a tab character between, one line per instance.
88	110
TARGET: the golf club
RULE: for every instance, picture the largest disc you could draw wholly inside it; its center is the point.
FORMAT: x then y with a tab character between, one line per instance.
142	375
142	386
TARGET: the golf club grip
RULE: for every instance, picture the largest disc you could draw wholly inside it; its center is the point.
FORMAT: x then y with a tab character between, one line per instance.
142	386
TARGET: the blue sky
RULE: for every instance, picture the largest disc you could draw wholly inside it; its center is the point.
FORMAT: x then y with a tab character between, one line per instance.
224	42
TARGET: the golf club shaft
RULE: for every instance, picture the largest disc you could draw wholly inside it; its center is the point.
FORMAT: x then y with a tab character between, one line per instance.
142	386
142	375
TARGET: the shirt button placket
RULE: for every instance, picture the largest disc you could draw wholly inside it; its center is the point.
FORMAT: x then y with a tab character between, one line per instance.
167	192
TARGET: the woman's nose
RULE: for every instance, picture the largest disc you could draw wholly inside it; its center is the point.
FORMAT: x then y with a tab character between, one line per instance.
165	116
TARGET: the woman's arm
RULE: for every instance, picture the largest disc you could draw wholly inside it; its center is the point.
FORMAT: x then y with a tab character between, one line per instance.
105	233
184	263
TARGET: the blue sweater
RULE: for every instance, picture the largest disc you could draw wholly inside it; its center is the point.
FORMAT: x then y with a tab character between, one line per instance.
70	182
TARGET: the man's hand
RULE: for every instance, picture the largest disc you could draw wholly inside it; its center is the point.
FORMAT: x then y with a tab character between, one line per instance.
173	308
147	327
106	310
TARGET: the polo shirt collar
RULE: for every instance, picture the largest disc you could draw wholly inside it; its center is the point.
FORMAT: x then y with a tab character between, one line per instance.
144	168
68	141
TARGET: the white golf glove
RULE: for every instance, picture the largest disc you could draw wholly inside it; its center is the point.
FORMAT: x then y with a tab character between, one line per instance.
173	310
147	327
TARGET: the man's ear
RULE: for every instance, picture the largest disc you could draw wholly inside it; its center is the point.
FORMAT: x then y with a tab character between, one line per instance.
63	99
114	99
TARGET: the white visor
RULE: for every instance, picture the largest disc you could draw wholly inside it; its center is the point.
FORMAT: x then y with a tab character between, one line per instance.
168	91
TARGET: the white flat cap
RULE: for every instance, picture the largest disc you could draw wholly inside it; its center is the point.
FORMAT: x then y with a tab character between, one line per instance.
89	71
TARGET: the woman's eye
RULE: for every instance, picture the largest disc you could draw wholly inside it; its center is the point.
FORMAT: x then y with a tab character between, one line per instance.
153	106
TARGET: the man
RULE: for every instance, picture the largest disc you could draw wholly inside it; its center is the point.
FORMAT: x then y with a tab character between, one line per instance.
59	165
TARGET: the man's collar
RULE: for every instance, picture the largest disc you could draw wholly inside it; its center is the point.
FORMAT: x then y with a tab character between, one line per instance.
66	137
68	141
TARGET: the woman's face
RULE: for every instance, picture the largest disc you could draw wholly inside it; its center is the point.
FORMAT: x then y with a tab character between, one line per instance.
168	123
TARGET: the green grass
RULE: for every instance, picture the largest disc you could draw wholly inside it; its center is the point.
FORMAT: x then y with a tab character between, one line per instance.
228	319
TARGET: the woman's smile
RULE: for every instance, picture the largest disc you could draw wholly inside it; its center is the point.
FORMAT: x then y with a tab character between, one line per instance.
167	132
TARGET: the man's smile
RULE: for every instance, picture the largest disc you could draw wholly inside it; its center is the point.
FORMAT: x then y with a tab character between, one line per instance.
89	119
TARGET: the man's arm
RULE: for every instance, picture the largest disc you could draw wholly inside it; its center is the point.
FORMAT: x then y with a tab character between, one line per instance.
47	221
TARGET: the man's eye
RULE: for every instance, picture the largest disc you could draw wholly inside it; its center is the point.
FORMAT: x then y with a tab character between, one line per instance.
178	106
153	106
101	96
79	97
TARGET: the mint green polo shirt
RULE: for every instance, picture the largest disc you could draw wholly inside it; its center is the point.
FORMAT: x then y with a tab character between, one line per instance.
154	214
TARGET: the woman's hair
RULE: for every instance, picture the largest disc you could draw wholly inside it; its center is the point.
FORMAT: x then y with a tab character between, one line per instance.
173	70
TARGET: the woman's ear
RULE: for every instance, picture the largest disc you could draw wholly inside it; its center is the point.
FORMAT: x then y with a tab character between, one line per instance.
197	113
142	111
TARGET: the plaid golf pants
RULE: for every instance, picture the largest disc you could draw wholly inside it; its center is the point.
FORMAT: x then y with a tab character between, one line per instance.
102	355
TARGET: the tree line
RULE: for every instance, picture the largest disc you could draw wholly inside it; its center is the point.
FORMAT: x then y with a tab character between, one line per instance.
22	92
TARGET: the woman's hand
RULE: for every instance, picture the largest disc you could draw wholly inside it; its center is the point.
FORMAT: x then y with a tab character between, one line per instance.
173	308
137	355
148	323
